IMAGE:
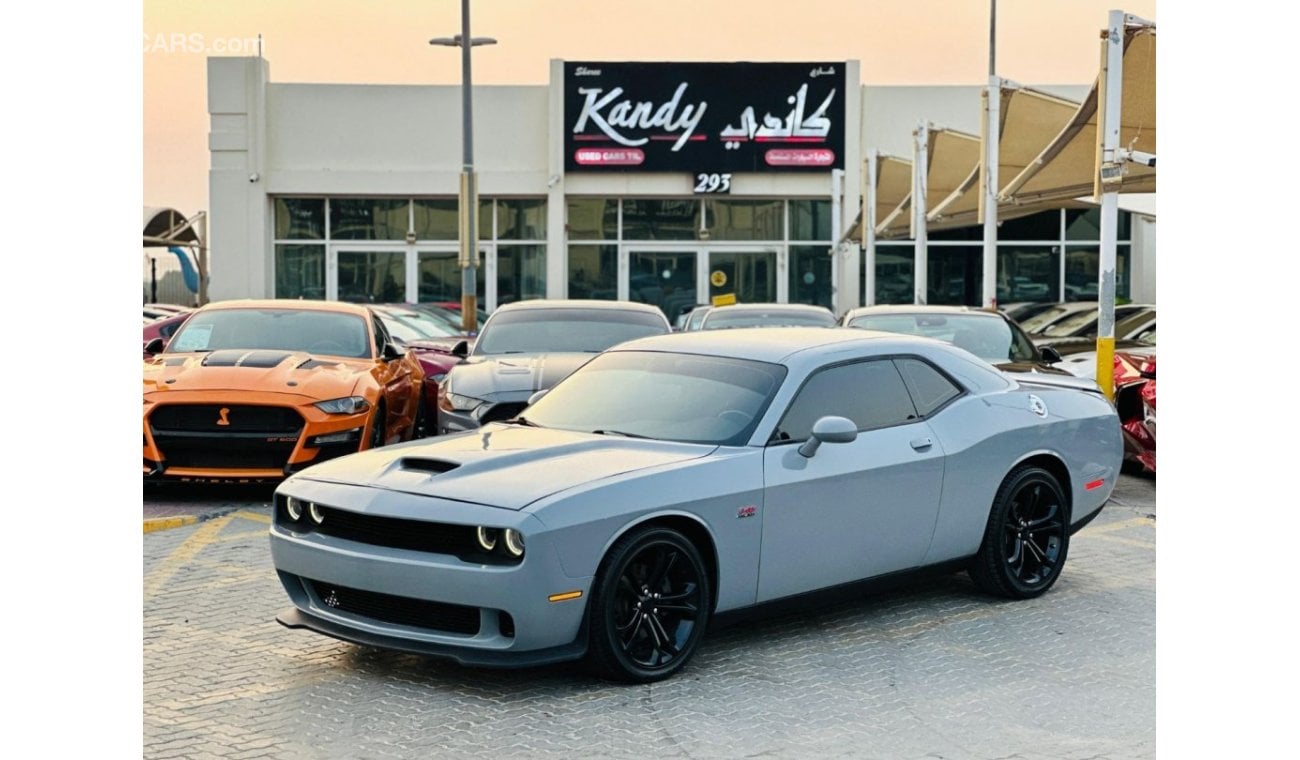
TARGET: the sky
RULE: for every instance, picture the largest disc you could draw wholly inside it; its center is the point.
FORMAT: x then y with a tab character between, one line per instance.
899	42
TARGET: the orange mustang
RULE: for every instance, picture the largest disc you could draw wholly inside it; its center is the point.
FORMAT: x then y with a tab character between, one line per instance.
257	390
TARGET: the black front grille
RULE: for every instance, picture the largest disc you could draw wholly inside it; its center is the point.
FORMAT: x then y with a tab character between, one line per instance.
503	412
252	437
398	610
224	453
226	418
459	541
397	533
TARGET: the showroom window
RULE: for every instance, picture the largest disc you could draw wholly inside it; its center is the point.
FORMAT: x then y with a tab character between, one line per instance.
357	249
1030	263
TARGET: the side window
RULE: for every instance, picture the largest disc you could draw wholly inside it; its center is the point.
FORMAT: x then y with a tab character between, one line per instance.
870	393
381	335
930	389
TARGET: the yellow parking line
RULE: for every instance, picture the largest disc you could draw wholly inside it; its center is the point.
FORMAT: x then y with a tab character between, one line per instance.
1095	529
165	523
173	562
254	516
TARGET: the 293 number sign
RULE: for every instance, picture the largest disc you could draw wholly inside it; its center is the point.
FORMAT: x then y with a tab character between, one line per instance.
712	182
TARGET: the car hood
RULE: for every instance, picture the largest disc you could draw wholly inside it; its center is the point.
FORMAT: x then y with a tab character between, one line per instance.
271	371
501	465
489	376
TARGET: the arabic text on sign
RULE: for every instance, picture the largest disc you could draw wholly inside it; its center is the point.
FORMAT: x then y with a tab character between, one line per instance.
799	157
609	157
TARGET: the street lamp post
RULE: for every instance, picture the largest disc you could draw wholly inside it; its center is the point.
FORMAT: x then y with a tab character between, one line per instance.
468	182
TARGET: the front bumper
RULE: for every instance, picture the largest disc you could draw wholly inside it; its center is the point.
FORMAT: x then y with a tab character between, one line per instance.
516	622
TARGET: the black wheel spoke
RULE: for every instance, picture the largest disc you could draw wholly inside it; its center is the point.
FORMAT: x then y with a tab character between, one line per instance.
1052	510
638	620
662	638
689	608
662	568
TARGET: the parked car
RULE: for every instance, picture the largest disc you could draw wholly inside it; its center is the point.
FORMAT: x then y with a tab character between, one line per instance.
256	390
529	346
1057	312
1083	324
1022	310
1137	330
1135	401
695	317
767	315
159	330
683	475
683	318
451	311
160	310
990	335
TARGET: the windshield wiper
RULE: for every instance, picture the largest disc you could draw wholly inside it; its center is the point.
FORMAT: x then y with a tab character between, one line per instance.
521	420
619	432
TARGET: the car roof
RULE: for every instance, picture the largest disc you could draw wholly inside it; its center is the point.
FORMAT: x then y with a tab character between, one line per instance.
578	303
339	307
863	311
772	344
776	307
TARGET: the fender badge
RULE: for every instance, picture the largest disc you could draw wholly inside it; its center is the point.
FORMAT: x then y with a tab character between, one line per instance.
1037	406
747	511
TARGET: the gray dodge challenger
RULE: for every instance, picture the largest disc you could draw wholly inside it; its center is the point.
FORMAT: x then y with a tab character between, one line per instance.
680	476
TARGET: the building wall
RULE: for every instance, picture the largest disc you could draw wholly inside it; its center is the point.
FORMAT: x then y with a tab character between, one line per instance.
283	139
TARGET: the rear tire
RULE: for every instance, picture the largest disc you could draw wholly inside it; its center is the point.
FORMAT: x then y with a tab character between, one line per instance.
1027	536
650	606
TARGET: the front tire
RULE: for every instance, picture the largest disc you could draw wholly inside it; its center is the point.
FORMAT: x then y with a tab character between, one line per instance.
1027	536
650	606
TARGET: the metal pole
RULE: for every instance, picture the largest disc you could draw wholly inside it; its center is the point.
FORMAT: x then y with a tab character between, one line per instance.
920	188
153	280
468	186
869	231
203	256
989	175
1108	181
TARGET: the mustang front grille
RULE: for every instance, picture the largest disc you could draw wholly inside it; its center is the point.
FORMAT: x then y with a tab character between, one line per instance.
398	610
221	436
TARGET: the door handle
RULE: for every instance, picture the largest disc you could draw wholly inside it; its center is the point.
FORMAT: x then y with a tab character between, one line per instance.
921	444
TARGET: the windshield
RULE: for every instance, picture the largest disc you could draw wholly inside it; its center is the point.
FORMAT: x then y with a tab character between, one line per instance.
723	318
697	316
407	326
666	396
1044	318
552	330
317	332
989	337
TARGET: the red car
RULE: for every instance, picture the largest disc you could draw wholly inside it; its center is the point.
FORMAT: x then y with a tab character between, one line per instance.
429	339
1135	400
162	328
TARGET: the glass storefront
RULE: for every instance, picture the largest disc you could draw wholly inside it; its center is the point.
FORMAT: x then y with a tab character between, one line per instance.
1030	265
666	279
359	249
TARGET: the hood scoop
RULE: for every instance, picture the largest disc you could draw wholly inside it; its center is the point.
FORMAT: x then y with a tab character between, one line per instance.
435	466
243	358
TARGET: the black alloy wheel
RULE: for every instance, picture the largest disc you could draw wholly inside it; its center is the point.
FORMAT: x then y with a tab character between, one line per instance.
1027	536
651	606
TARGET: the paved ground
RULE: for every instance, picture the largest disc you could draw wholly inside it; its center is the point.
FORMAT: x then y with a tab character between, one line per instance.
933	670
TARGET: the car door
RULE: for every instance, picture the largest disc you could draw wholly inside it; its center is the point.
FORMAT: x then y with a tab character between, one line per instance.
852	510
396	378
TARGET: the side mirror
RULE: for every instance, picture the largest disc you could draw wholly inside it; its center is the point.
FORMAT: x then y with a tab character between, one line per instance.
391	352
533	399
461	349
155	346
1050	355
829	429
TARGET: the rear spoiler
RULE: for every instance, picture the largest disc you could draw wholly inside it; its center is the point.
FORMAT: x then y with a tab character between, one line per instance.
1057	381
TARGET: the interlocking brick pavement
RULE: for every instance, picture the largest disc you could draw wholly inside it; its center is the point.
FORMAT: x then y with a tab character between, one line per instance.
930	670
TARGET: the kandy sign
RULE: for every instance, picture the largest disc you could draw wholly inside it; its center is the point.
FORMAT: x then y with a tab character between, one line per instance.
694	117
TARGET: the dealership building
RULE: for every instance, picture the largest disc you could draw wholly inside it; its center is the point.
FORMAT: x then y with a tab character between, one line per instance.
665	183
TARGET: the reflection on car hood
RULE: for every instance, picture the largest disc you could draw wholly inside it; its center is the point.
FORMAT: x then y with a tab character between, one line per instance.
482	377
272	371
501	465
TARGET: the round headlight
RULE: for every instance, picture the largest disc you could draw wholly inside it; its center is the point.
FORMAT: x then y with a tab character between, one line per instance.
514	542
487	538
317	516
294	508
